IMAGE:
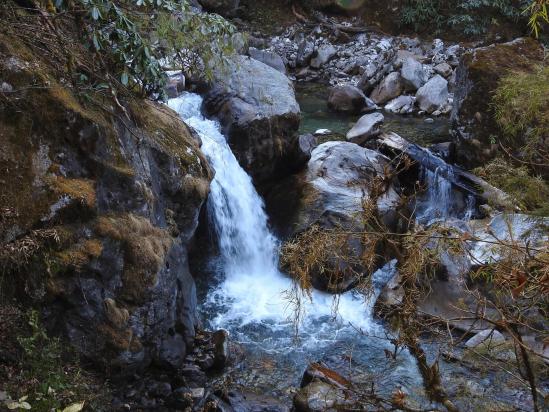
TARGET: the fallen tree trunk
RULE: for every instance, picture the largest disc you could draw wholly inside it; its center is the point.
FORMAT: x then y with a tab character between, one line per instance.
392	145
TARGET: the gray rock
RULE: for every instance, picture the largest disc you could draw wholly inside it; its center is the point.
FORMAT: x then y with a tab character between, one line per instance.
402	56
323	56
433	95
269	58
257	109
490	337
444	69
389	88
6	87
304	53
222	354
176	85
413	74
401	105
366	127
347	98
338	178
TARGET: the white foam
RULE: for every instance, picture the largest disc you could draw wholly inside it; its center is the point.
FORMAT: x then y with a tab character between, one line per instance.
253	291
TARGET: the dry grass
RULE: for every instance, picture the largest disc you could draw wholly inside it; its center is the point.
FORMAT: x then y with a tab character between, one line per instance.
145	248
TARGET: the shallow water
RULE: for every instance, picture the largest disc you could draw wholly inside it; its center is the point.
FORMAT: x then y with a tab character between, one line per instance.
313	100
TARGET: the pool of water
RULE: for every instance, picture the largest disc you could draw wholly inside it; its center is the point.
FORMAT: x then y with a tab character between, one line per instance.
313	100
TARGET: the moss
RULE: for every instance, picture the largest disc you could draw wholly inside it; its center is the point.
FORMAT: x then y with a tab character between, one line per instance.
530	192
521	103
168	131
145	248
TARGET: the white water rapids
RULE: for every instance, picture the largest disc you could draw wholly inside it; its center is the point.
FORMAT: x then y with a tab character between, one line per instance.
253	290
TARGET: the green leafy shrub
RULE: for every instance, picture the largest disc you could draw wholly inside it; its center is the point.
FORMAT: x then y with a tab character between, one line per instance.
138	39
472	17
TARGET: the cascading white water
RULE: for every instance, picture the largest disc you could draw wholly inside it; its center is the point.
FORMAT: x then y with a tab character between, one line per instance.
253	299
437	204
253	290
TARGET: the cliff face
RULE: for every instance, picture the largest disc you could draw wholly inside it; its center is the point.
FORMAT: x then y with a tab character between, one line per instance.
97	207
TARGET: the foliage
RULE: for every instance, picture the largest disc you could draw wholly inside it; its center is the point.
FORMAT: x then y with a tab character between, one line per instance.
46	377
472	17
138	39
521	105
538	13
530	192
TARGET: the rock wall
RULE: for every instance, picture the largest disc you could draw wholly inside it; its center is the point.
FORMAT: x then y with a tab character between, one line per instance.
97	207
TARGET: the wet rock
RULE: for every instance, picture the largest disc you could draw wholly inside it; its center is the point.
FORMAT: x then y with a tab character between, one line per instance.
444	150
389	88
319	396
306	144
366	127
347	98
477	77
269	58
250	402
323	56
433	95
258	111
413	74
317	371
505	227
401	105
222	353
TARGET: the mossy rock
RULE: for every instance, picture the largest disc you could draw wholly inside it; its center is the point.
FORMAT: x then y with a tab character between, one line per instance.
98	201
474	125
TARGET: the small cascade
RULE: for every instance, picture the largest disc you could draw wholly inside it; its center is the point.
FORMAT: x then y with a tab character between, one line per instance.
441	201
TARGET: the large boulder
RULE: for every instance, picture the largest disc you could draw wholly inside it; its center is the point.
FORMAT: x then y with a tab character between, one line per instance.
433	94
339	178
477	77
257	109
116	202
348	98
389	88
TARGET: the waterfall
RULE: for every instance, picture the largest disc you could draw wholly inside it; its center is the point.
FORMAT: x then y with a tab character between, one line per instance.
252	299
252	290
440	202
